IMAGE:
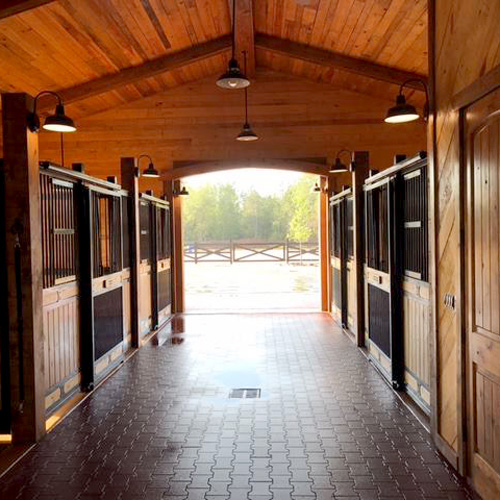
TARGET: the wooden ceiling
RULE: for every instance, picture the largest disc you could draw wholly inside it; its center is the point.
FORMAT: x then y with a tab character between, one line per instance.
103	53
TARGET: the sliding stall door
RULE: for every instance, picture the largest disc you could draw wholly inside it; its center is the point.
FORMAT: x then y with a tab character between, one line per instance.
482	139
162	272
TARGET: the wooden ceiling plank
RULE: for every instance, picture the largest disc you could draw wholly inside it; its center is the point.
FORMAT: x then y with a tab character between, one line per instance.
12	7
245	33
336	60
136	73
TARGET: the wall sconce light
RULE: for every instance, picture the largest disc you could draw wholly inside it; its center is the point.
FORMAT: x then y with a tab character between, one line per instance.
339	167
180	192
318	189
403	112
150	171
58	122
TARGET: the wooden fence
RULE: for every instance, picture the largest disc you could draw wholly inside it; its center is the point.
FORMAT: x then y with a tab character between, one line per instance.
241	251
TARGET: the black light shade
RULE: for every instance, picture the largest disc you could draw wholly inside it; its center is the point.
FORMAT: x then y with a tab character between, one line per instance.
247	134
150	171
402	112
338	167
316	188
59	122
183	191
233	78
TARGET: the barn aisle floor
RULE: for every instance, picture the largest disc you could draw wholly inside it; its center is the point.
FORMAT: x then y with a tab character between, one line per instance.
316	421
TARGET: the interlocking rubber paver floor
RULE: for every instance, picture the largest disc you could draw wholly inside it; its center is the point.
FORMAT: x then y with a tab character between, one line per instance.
326	424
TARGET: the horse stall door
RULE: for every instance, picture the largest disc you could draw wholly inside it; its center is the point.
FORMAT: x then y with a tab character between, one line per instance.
61	289
336	258
350	275
4	328
482	151
163	276
145	268
381	338
126	208
415	282
107	280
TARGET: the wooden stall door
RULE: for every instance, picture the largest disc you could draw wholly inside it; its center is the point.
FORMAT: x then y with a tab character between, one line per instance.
482	139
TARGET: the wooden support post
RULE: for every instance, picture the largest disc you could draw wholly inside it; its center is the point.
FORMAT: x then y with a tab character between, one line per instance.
323	245
177	249
130	182
360	173
24	270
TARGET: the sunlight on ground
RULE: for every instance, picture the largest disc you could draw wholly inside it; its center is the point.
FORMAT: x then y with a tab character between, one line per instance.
265	286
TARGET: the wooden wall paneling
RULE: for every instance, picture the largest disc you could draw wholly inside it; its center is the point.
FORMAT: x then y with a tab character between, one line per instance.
324	206
362	166
24	269
130	182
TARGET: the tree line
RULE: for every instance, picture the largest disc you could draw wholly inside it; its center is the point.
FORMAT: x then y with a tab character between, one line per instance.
217	212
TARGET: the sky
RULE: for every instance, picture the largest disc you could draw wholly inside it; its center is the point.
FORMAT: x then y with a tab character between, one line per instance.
264	181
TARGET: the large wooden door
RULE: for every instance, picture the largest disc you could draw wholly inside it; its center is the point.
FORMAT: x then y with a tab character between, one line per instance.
482	139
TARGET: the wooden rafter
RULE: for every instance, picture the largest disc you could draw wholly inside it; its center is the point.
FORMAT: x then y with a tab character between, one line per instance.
11	7
200	167
245	36
134	74
337	60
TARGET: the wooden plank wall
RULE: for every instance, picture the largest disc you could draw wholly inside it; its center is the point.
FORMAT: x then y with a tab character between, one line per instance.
462	54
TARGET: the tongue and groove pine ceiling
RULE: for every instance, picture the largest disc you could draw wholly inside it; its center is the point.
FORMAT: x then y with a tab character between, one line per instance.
102	53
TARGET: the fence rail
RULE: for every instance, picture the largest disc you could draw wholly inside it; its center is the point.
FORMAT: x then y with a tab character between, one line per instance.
238	251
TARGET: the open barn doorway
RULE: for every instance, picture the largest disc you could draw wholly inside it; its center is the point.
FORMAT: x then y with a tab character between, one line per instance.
251	241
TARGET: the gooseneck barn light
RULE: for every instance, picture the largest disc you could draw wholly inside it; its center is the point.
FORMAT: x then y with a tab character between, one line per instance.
150	171
246	134
58	122
403	112
339	167
233	78
181	192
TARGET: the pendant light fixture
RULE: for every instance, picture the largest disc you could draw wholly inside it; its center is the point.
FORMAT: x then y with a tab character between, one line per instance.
339	167
150	171
233	78
181	192
246	134
403	112
58	122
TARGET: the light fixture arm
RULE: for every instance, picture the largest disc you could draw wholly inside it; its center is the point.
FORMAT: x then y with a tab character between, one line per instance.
426	90
344	151
144	156
47	92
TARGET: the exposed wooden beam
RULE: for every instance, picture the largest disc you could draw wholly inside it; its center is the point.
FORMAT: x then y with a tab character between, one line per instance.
202	167
245	35
12	7
337	60
133	74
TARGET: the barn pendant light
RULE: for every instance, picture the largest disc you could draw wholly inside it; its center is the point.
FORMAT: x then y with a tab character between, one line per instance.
150	171
339	167
233	78
58	122
403	112
246	134
181	192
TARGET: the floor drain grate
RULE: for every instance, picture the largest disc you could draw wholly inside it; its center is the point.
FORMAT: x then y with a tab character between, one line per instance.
244	393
